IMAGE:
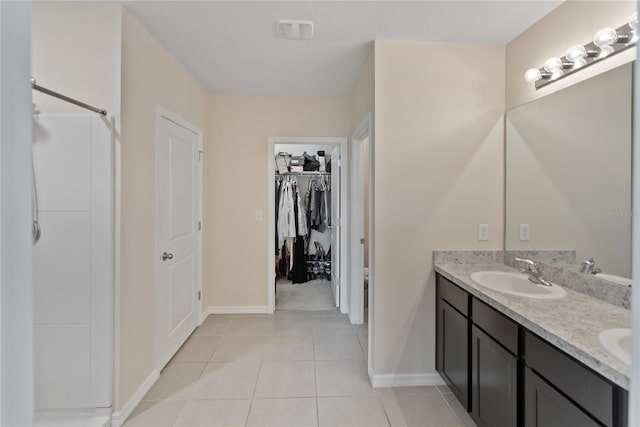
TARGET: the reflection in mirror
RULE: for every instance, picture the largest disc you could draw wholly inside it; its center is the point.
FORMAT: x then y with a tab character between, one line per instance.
568	176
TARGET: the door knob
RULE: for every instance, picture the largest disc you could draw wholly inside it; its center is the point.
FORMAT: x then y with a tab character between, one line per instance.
166	256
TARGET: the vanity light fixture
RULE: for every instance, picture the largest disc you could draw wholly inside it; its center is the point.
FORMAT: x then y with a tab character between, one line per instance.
606	42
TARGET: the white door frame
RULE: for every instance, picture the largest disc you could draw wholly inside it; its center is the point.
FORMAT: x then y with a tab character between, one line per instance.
356	216
271	208
164	113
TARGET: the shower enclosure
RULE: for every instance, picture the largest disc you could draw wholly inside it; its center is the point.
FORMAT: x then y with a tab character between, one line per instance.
73	269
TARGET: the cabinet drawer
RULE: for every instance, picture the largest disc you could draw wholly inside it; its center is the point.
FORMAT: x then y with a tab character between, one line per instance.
497	325
453	294
579	383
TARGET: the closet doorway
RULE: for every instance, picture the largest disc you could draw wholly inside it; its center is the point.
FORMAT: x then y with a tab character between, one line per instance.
308	235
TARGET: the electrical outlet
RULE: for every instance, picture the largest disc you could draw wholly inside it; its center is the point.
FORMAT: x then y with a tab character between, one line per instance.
483	232
258	215
524	232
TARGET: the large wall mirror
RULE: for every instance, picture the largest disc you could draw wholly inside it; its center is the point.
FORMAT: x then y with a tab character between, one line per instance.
568	175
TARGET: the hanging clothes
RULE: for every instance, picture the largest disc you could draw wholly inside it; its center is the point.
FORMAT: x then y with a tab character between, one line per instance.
286	215
297	213
318	195
299	270
292	229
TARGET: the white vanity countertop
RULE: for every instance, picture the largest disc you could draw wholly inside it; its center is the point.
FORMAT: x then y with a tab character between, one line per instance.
571	323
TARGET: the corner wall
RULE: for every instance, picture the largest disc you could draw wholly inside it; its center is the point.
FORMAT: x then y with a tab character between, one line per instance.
438	174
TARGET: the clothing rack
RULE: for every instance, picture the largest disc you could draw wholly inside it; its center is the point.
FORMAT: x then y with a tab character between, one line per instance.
50	92
306	173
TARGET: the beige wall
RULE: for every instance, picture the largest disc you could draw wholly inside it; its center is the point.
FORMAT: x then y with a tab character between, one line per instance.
235	169
438	174
151	76
571	23
75	50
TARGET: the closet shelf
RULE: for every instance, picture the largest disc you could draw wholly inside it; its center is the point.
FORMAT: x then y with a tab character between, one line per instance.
306	173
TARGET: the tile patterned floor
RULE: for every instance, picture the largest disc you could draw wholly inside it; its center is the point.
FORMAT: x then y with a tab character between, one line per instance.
312	295
292	368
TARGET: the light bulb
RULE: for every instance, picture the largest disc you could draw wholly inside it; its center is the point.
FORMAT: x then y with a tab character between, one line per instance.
605	51
532	75
553	64
574	53
580	62
633	21
605	37
556	74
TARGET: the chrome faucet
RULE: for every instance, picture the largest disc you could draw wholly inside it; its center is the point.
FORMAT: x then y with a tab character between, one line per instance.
589	267
532	270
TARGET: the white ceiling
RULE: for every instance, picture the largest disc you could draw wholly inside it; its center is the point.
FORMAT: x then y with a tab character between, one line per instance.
229	45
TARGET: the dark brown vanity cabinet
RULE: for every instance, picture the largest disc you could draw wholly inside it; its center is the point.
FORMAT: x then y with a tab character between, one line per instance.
494	368
560	391
452	336
506	376
546	407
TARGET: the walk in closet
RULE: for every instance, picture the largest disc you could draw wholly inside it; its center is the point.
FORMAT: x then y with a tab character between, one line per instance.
307	203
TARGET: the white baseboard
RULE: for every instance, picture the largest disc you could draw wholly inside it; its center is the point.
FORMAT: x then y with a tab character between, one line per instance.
236	309
118	418
405	380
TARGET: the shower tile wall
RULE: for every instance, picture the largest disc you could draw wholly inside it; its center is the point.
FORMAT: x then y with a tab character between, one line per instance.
72	262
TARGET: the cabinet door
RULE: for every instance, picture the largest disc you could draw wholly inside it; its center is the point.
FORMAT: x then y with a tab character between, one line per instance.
546	407
494	373
453	350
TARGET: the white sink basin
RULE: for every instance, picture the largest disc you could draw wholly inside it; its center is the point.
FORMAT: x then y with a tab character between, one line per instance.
617	342
516	284
613	278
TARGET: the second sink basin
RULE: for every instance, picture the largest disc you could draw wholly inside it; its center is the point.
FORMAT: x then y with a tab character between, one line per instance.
617	342
516	284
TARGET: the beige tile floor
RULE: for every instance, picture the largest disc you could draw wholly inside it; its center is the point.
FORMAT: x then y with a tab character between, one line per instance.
286	369
312	295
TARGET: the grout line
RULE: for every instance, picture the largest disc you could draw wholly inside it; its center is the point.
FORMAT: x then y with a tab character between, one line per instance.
384	408
455	413
315	377
253	395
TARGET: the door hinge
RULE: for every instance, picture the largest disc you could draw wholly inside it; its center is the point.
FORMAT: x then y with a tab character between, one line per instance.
200	155
199	225
362	241
199	295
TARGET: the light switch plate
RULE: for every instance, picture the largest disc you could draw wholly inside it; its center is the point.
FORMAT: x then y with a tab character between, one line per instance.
524	233
483	232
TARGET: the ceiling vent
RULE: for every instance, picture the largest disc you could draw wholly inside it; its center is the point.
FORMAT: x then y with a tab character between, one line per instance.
294	29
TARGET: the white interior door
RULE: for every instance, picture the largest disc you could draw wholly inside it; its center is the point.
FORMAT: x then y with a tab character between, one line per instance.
336	229
178	236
